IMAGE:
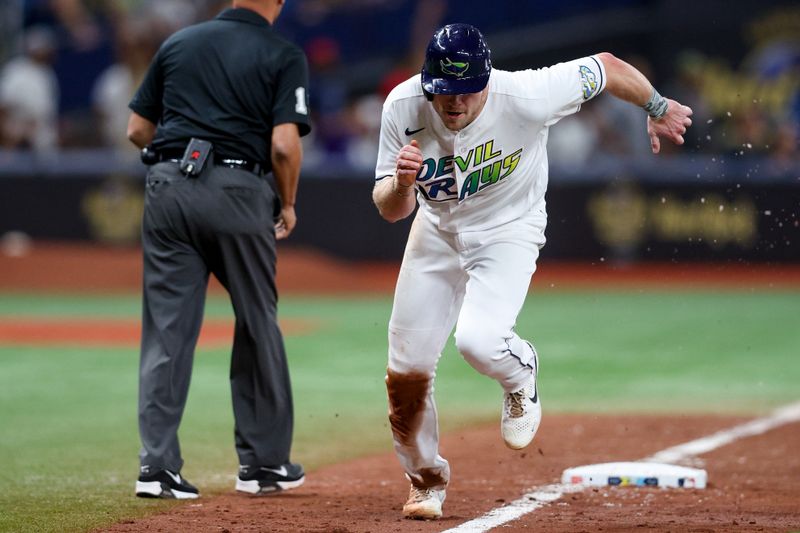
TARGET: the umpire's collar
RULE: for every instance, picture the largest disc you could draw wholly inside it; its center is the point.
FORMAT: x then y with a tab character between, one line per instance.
241	14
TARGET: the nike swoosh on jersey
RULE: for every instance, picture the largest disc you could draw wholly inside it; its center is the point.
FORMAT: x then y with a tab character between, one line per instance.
412	132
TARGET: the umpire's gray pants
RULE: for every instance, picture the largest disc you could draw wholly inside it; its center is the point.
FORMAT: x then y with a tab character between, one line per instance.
220	222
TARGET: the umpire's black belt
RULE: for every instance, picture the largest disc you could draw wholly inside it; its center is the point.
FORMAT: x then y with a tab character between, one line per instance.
219	160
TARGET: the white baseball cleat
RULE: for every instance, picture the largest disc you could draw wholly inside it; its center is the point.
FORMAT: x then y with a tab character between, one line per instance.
522	412
424	504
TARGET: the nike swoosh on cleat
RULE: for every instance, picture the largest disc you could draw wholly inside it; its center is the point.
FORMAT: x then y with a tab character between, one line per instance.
412	132
175	477
280	471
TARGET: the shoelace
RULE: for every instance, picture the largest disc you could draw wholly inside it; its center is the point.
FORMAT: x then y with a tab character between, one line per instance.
420	495
515	401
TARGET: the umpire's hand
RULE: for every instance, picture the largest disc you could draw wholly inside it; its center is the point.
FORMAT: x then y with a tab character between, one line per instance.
286	222
671	126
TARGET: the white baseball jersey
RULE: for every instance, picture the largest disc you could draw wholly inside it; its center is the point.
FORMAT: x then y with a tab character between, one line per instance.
494	170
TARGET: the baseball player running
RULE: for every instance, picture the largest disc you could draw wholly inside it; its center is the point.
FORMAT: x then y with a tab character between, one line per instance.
467	142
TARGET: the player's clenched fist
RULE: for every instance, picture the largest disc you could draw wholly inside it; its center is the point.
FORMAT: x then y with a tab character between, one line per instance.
671	126
409	161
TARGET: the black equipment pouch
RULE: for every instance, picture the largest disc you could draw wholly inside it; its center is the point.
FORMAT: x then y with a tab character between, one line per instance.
195	157
148	155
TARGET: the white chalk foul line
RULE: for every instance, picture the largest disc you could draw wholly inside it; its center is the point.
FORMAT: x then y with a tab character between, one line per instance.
784	415
541	496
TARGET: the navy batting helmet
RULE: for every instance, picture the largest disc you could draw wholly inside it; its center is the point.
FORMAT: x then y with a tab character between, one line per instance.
457	61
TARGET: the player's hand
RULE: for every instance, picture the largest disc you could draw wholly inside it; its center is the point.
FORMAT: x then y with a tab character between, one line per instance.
671	126
286	222
409	161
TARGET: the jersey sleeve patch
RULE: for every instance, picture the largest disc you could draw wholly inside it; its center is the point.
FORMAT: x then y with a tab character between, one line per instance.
592	78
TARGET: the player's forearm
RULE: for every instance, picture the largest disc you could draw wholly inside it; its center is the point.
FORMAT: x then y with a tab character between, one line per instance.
624	81
394	202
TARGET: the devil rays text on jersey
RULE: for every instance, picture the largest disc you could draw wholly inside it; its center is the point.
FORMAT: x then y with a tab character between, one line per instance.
482	166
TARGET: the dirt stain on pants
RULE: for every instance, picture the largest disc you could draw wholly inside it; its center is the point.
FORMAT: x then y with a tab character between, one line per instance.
408	400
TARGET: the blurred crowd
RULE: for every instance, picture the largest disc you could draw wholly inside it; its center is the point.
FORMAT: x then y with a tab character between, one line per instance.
75	64
68	69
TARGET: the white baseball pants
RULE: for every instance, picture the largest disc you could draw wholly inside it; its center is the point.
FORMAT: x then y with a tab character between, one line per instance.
476	281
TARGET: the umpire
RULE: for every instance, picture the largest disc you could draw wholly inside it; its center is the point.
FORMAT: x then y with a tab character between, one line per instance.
223	103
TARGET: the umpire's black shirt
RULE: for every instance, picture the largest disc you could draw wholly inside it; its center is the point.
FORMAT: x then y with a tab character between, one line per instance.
228	81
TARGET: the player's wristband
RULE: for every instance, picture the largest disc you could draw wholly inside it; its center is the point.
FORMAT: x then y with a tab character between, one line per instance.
657	106
401	190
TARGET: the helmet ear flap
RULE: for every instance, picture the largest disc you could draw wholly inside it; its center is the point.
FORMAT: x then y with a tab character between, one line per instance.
428	96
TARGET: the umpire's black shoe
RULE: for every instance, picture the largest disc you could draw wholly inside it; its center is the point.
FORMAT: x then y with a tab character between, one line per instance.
165	484
268	479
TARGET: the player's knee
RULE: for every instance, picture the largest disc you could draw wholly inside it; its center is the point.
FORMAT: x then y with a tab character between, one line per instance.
478	348
413	351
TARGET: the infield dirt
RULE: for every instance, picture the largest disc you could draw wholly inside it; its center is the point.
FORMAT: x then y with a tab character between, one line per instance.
70	267
754	483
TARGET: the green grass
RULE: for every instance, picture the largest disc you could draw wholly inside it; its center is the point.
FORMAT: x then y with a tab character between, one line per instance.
68	437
